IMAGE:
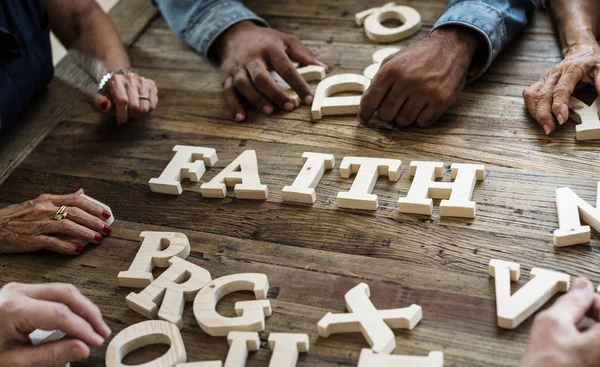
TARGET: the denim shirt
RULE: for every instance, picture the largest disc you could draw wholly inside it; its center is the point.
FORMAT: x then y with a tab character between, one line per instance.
200	22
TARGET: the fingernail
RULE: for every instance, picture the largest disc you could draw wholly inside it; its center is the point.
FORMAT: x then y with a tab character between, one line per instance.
105	214
560	118
308	100
547	129
362	121
267	110
239	117
79	249
98	237
579	284
288	106
106	229
98	339
104	105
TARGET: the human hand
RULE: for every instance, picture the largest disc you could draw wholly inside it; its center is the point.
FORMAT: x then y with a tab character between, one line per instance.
420	82
557	340
128	96
26	307
31	226
247	52
548	98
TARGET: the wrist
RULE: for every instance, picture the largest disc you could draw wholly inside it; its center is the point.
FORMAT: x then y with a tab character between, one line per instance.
463	40
225	39
583	40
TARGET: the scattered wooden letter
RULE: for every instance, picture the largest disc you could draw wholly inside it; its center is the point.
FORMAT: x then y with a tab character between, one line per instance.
325	104
367	171
571	210
457	194
171	290
156	250
240	344
251	314
373	18
286	347
241	173
188	162
378	57
310	73
374	324
369	359
303	188
587	118
513	310
147	333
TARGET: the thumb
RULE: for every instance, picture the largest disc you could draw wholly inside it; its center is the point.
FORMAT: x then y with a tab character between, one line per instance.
300	53
102	104
573	306
55	354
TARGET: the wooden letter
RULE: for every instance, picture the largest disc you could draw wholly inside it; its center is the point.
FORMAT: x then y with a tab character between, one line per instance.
374	324
376	31
303	188
188	162
378	58
251	314
171	290
457	194
513	310
286	347
310	73
325	104
143	334
587	117
369	359
571	209
240	343
367	171
241	173
156	250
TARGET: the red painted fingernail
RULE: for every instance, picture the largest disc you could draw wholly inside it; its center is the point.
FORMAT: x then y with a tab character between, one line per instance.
104	105
79	249
106	229
105	214
98	237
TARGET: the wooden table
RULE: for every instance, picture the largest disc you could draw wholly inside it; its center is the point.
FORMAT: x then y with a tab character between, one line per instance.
314	254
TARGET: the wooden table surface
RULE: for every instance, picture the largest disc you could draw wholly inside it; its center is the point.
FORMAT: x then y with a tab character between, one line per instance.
314	254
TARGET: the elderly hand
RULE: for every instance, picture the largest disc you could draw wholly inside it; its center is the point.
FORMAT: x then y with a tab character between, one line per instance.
548	98
419	83
247	52
128	96
26	307
557	338
31	226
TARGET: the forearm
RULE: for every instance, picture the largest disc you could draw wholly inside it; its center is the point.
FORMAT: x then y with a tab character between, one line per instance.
577	22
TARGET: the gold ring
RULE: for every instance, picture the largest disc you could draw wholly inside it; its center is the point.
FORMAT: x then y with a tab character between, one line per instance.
61	213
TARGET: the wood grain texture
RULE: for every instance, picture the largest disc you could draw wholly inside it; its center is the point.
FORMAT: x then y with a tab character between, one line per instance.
314	254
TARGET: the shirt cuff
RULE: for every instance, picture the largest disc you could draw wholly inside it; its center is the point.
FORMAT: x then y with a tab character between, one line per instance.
482	19
204	29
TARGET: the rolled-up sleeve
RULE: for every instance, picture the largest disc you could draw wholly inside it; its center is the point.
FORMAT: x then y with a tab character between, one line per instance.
200	22
498	21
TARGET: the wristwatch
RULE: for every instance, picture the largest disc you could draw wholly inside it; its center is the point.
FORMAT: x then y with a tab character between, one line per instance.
108	76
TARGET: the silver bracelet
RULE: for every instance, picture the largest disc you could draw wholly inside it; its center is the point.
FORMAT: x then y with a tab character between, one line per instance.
108	76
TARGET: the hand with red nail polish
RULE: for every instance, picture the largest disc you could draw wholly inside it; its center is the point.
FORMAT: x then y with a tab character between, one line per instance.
27	307
247	53
32	225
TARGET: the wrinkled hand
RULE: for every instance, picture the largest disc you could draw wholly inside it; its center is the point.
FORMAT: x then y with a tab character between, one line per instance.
247	52
31	226
548	98
557	340
122	97
420	82
26	307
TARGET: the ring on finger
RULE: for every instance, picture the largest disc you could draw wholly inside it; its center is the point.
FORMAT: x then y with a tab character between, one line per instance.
61	213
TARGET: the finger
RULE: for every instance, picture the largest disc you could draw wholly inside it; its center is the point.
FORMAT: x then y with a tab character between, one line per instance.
57	245
267	87
54	354
429	116
153	95
102	104
373	96
120	98
392	103
284	67
409	112
133	94
233	101
298	52
69	228
82	217
244	85
79	200
573	306
564	88
46	315
69	295
543	112
597	80
144	92
530	95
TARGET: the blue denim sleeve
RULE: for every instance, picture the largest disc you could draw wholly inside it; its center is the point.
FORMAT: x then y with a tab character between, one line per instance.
200	22
498	21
